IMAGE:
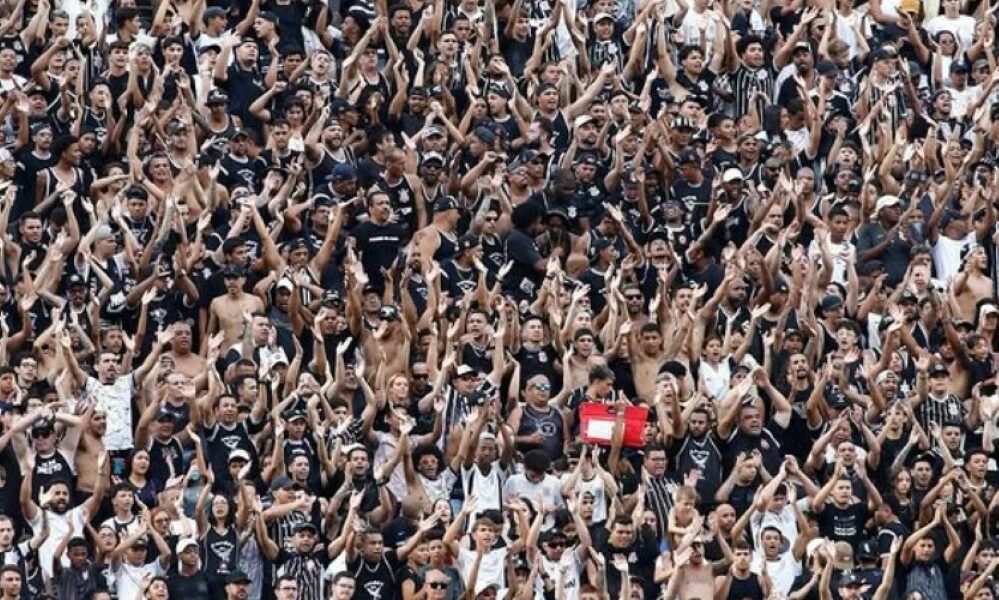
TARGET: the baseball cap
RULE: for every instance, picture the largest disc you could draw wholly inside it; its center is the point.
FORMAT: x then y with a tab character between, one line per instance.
826	67
238	454
886	201
831	301
434	130
582	120
295	415
165	415
601	16
445	203
186	543
237	577
688	155
868	550
732	174
938	369
281	482
464	370
432	157
467	242
802	46
306	526
343	172
683	123
238	133
216	97
213	11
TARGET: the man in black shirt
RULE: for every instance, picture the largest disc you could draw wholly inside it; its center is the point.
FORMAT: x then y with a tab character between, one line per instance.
378	240
189	582
528	266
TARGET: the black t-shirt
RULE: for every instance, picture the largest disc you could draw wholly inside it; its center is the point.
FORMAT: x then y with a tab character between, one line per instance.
375	581
189	587
523	279
844	524
379	246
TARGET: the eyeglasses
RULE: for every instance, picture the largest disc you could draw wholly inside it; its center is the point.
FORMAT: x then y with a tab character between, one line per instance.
438	585
633	297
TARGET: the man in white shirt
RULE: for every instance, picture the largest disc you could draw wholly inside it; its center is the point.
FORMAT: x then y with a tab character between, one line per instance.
535	481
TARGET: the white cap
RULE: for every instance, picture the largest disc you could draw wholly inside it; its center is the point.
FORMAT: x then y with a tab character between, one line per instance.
885	202
286	283
186	543
582	120
732	174
602	15
987	309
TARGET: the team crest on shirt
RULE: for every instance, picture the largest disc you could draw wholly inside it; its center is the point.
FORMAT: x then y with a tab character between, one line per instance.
764	444
374	588
542	357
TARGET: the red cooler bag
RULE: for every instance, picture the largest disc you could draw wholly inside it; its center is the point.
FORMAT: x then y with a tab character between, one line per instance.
596	423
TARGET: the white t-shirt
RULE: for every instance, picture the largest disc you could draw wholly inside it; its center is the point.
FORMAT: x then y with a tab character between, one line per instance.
837	251
552	568
518	486
492	570
595	487
128	579
58	528
115	400
782	571
963	28
947	255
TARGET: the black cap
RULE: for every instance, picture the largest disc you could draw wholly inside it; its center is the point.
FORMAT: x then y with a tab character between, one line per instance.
237	577
907	297
849	579
467	242
868	550
306	526
216	97
281	482
76	280
831	301
938	369
238	133
446	203
826	67
688	155
165	415
296	415
880	54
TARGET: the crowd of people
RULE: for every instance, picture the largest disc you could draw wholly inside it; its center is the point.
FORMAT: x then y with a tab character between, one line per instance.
527	300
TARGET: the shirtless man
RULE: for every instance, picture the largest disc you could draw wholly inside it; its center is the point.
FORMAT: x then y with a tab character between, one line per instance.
226	312
693	576
89	450
972	281
647	357
185	361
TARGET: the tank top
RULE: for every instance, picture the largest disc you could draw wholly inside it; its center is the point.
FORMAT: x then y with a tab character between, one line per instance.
51	468
403	202
741	589
161	456
447	248
224	133
549	424
431	196
492	251
219	551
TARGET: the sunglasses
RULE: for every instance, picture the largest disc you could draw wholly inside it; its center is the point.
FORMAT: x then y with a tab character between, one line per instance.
421	376
544	387
557	544
438	585
632	297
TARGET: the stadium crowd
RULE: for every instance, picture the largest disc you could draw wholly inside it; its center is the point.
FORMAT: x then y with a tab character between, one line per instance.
520	300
